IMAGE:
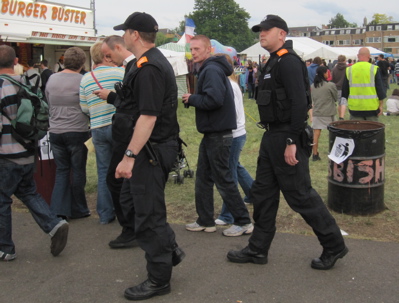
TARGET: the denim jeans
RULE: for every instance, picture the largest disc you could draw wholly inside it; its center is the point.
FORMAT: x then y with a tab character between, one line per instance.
213	169
251	90
102	140
240	175
70	156
18	180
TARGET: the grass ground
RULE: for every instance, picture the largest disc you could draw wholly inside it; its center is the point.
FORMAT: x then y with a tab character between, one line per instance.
180	198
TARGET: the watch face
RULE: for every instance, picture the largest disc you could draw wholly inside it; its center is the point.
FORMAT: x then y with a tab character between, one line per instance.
130	154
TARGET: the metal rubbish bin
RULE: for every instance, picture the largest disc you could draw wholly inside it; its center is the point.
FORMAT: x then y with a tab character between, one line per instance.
356	186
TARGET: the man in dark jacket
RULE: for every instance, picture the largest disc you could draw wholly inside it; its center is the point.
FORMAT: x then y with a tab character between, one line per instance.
215	118
384	70
338	76
45	75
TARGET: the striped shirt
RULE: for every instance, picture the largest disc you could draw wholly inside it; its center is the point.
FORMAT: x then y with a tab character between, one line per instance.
8	145
99	111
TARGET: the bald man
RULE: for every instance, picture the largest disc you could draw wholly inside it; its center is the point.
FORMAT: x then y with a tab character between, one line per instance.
363	88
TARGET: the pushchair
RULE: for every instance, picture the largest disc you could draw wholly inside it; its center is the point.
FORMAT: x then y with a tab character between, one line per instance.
180	163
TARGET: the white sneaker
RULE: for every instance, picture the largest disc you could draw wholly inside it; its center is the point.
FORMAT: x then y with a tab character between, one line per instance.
6	256
236	230
196	227
220	222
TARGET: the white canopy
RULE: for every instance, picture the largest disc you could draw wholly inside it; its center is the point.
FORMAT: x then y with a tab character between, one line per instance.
308	48
177	60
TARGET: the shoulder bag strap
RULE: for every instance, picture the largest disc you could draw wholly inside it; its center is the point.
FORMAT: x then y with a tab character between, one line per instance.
95	79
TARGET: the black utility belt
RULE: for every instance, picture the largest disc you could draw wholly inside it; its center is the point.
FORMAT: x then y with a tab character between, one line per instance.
275	126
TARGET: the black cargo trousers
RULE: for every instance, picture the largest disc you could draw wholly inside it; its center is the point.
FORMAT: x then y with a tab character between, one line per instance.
143	205
274	174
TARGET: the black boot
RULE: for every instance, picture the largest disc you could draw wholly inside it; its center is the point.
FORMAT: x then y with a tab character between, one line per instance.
328	259
126	239
246	255
146	290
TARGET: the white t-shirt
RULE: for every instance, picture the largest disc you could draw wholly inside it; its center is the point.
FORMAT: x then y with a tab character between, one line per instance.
393	104
240	113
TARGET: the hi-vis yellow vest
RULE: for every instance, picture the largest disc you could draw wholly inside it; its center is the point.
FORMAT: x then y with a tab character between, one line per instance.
362	92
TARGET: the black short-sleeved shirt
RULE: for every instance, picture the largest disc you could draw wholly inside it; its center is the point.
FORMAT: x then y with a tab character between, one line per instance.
149	91
153	92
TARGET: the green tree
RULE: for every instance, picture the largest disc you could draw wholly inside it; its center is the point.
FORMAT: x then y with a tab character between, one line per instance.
381	19
224	21
340	22
162	39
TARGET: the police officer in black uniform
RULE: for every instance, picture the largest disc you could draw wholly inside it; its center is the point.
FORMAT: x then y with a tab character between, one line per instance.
283	162
149	102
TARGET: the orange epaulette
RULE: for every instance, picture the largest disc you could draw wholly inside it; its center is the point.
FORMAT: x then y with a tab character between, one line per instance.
141	61
282	52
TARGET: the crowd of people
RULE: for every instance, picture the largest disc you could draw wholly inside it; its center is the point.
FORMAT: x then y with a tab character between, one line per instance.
127	104
346	86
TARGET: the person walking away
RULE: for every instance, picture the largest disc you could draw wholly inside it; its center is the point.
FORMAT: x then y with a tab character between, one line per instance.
316	62
215	119
17	169
69	130
33	76
396	73
250	79
103	76
324	95
240	174
149	95
383	65
363	88
338	76
45	74
283	162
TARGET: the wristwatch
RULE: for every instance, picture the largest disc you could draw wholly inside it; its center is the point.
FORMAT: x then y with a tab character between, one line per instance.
289	141
130	154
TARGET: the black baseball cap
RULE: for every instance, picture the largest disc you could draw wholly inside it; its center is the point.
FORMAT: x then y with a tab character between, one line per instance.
140	22
269	22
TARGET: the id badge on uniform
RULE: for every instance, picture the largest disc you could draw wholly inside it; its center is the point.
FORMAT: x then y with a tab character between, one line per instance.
267	76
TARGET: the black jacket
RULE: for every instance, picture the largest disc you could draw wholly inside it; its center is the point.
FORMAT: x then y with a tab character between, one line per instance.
282	91
214	97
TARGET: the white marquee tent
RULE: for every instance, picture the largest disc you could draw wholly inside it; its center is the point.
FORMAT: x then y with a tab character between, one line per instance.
178	61
308	48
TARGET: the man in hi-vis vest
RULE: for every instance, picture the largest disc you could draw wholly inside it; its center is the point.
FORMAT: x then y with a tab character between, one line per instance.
363	88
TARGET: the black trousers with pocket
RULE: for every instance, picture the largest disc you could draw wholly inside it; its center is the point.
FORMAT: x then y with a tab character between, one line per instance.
274	175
